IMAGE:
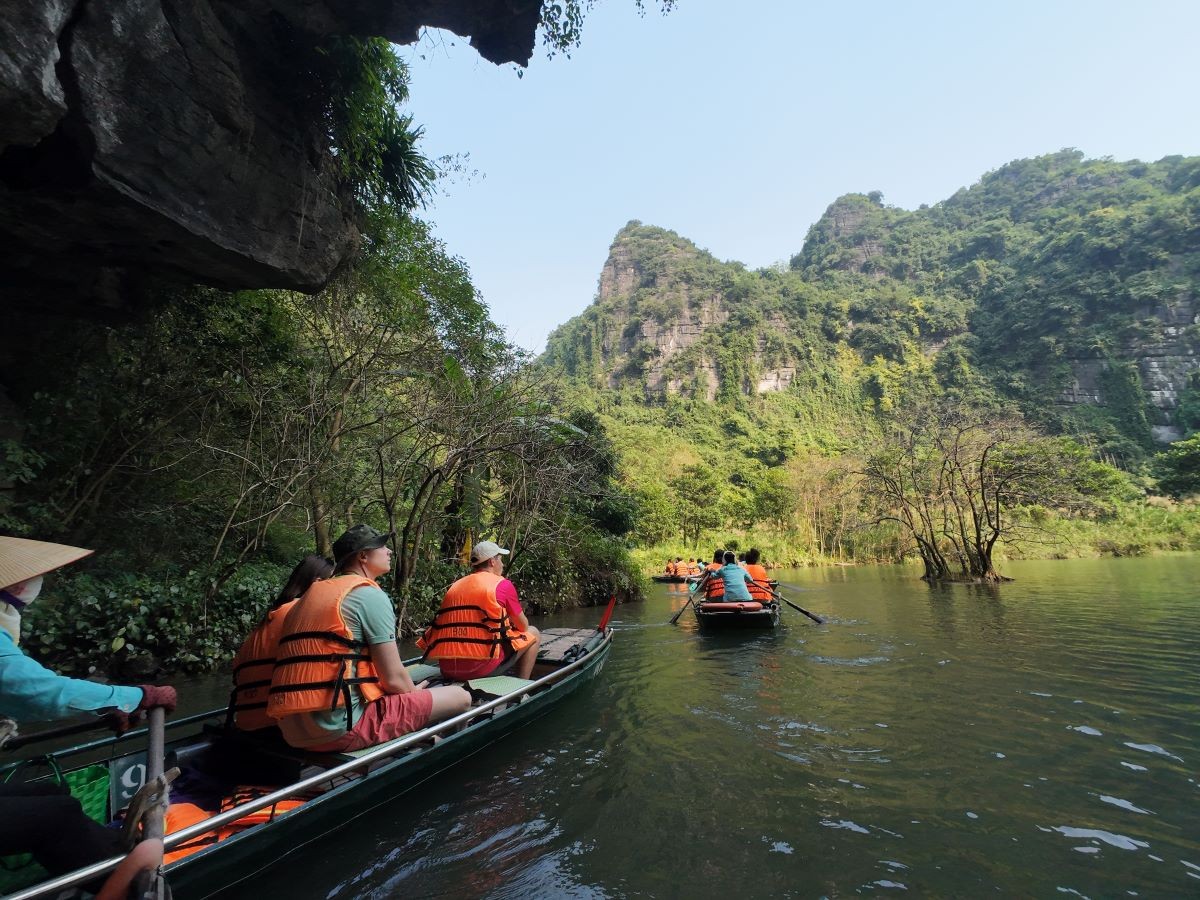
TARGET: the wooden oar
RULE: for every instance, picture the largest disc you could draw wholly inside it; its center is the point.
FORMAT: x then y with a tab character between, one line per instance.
681	609
152	885
693	589
779	596
612	602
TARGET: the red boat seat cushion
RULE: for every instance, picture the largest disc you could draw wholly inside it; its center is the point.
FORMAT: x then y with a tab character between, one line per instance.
742	606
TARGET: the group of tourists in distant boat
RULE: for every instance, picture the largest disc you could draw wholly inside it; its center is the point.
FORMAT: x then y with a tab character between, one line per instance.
729	577
322	670
678	568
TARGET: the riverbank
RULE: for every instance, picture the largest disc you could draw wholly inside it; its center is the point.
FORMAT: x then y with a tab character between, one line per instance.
1156	524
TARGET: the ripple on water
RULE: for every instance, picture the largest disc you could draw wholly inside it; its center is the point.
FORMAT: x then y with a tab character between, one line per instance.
1125	804
857	661
1114	840
845	824
1152	748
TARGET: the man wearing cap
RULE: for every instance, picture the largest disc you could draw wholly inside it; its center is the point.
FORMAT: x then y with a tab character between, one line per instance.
481	625
339	683
38	817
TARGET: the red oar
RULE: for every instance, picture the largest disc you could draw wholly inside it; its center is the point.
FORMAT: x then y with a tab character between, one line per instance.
607	613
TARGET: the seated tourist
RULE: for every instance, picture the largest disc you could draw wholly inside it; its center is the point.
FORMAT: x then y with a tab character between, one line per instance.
481	625
41	817
670	567
339	683
759	589
255	661
736	580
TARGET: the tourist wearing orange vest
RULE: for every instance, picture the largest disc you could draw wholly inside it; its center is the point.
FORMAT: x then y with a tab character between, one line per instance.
670	569
481	625
759	590
712	584
339	683
255	661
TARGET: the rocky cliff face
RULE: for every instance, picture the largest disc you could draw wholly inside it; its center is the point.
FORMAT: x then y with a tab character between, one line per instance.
171	139
1164	360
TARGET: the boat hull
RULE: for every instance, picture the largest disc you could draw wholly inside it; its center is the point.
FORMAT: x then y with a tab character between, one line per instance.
767	617
354	788
211	871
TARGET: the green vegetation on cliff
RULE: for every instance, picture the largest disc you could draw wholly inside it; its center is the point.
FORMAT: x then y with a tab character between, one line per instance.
1061	289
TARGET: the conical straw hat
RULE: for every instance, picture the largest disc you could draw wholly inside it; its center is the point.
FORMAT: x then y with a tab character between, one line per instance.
21	558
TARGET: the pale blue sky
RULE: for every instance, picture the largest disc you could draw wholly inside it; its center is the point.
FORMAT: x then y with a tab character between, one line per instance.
736	125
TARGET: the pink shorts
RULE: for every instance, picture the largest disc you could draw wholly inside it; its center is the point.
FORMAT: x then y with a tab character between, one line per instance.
389	717
466	669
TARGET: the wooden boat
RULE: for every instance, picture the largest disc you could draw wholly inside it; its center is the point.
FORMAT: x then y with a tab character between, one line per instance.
718	614
334	787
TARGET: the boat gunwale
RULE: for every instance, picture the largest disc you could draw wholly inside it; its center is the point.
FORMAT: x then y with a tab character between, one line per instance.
550	681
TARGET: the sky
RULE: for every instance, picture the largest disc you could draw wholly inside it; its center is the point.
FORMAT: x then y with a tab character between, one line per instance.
736	125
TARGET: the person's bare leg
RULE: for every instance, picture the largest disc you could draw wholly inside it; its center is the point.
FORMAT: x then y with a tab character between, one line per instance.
448	701
527	657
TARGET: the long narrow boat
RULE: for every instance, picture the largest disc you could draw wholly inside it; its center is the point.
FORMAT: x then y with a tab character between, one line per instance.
333	788
718	614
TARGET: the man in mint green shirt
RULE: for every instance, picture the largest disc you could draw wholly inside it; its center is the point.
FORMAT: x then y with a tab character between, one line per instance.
370	619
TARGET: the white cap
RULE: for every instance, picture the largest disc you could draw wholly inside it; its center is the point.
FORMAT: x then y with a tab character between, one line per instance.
485	550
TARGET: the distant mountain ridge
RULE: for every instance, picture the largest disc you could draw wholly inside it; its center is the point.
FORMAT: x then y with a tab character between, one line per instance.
1068	285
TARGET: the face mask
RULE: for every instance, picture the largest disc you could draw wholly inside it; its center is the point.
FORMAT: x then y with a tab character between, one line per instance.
21	595
14	599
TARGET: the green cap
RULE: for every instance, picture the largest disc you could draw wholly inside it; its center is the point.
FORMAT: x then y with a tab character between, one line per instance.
360	537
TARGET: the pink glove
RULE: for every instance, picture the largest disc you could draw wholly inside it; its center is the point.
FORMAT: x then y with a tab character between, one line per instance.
158	695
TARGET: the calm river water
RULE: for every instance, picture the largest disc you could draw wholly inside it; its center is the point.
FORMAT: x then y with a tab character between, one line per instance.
1034	740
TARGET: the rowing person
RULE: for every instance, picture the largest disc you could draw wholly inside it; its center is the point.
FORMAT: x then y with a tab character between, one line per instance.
338	683
255	661
41	817
735	580
759	589
481	625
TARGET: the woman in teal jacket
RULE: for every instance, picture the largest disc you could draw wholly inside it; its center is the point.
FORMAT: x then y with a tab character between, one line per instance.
38	817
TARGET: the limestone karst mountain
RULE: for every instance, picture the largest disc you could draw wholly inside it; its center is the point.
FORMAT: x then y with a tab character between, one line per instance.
1069	285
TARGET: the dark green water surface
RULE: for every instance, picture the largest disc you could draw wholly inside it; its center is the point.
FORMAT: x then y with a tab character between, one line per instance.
1038	739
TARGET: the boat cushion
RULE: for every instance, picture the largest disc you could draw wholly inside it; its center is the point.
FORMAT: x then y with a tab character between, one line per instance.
498	685
420	671
742	606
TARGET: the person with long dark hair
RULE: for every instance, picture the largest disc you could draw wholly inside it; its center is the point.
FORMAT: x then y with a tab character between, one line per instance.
254	663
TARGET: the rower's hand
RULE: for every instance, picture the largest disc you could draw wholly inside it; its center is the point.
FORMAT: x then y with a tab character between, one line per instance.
422	684
120	722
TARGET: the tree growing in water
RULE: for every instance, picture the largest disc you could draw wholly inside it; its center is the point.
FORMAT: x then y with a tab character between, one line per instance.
952	476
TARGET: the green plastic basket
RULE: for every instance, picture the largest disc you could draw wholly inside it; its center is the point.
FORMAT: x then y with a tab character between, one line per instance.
89	786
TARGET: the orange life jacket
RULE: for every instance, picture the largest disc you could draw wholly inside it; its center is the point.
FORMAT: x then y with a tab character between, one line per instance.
318	659
714	587
758	591
694	568
252	669
472	624
671	570
182	815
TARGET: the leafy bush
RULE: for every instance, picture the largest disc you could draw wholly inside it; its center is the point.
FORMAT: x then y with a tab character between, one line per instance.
88	623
